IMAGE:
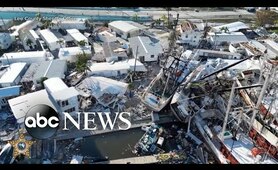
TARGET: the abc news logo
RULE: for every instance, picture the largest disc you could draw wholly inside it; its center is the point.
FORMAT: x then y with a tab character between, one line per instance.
42	121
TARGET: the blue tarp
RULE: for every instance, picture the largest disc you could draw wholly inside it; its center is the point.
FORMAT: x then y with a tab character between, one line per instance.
9	91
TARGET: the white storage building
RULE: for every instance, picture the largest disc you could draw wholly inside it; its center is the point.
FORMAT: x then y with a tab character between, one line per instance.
27	57
115	69
232	27
13	74
126	29
66	97
223	38
50	39
147	50
70	53
20	105
77	36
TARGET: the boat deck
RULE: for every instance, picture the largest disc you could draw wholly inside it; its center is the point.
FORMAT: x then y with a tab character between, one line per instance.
241	149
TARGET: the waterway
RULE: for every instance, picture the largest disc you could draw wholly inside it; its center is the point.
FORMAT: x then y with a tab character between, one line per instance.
16	15
117	145
114	145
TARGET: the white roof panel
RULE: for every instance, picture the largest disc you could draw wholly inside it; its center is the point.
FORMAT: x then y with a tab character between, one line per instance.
27	54
121	65
76	35
48	36
229	37
272	44
65	93
34	34
12	72
235	26
20	105
55	84
72	51
122	25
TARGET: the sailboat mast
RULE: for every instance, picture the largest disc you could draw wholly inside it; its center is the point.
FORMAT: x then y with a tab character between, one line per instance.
228	110
256	109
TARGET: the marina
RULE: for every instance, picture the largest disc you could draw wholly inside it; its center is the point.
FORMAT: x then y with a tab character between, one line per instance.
138	86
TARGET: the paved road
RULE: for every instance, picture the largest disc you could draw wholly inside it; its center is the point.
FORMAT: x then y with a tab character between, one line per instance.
203	14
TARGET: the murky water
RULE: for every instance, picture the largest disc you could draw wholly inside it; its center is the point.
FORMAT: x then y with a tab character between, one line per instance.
114	145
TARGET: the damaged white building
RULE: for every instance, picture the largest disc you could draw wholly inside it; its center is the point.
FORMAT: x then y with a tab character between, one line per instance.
105	90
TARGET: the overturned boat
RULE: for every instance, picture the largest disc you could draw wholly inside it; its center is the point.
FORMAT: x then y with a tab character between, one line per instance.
162	88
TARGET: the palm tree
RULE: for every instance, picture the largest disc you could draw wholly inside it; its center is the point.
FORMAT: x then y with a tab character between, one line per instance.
135	17
164	18
225	29
172	39
29	43
38	16
61	42
89	24
82	43
157	21
47	24
81	63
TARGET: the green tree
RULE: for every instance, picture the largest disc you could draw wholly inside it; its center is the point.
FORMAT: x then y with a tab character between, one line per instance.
164	18
29	42
89	24
45	23
225	29
81	63
135	17
82	43
173	37
130	86
38	16
60	42
158	21
264	17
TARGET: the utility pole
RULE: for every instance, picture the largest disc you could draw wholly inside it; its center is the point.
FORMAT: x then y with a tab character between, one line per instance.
135	59
8	60
133	75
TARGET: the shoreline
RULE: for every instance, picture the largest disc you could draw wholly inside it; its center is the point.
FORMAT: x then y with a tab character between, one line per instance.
129	13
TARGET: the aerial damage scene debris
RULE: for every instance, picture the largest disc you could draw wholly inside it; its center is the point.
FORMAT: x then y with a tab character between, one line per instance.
140	85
